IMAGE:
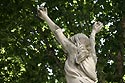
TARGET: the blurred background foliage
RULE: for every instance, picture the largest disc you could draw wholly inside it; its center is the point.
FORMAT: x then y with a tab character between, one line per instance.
29	52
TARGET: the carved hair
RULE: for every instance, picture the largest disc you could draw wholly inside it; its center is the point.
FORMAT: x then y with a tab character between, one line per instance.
79	39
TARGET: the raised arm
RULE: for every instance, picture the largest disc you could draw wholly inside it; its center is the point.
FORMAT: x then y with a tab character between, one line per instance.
66	44
96	28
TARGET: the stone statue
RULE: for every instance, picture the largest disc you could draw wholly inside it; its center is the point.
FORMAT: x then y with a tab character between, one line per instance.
80	66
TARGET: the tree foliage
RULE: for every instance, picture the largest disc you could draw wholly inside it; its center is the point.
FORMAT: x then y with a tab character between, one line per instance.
29	52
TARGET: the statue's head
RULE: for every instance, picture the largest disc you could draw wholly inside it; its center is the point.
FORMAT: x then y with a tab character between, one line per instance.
79	39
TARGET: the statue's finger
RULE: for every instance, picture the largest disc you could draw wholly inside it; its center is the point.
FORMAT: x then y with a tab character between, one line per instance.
38	7
45	9
41	8
39	12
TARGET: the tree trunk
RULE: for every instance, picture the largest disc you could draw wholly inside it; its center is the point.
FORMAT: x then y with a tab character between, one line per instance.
120	56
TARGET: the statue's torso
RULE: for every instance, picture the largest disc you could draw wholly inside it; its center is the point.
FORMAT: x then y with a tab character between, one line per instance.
84	72
78	73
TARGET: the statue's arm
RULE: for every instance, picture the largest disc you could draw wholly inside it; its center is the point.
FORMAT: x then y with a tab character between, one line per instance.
92	41
96	28
66	44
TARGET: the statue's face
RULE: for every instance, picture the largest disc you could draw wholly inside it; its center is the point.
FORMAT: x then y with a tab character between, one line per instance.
85	42
80	39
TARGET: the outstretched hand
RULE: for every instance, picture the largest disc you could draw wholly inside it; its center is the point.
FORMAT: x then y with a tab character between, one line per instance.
42	12
97	26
